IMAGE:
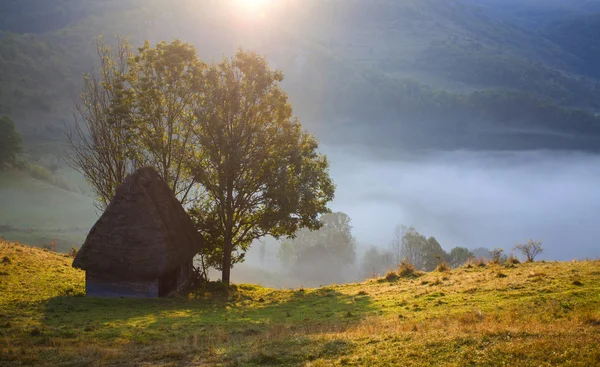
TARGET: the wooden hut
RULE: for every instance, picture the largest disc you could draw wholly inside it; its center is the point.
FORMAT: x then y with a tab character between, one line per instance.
144	243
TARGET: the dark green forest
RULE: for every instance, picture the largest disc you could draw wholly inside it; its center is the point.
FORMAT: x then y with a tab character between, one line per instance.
406	75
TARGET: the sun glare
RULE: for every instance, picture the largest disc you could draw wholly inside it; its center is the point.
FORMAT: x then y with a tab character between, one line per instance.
252	4
253	7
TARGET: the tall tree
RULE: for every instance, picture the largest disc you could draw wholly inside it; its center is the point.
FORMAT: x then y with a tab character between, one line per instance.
396	244
262	174
424	253
100	143
10	142
137	111
412	246
531	249
459	256
165	81
432	254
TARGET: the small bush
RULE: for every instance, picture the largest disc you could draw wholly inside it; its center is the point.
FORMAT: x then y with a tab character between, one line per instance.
513	260
391	276
496	255
406	269
73	252
501	275
481	262
442	267
6	260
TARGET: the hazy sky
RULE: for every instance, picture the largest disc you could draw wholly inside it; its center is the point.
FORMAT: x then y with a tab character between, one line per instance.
474	199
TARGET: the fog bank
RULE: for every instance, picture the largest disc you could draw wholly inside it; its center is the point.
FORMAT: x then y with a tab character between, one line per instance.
474	199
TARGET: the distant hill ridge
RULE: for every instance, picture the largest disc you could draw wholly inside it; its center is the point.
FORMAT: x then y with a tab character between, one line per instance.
405	71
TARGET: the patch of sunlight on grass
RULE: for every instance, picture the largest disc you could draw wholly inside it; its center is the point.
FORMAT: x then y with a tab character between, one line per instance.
536	314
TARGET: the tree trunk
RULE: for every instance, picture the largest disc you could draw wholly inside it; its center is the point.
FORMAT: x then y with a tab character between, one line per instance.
226	275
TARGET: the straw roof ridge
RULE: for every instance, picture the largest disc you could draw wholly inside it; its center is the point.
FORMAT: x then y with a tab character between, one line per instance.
144	232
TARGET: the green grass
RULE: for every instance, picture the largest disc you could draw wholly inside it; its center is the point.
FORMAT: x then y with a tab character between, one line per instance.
537	314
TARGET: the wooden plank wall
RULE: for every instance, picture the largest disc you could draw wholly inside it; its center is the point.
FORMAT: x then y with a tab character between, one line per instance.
100	285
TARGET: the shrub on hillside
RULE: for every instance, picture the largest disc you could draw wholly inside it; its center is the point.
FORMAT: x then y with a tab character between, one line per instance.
530	250
391	276
496	255
513	260
406	269
442	267
481	262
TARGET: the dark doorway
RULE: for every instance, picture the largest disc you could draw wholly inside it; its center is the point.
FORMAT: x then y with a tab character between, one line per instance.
167	283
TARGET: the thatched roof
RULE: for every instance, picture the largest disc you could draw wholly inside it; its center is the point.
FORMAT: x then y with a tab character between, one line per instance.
144	232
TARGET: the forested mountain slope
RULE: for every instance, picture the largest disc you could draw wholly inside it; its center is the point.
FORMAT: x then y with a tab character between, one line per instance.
427	74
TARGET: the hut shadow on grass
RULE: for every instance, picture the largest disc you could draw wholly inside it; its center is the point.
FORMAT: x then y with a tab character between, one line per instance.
218	327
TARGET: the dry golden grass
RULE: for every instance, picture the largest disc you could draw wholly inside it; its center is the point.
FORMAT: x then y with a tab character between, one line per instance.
534	315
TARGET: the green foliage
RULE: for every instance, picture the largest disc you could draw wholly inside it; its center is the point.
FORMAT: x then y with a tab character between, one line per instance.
472	63
261	173
459	255
10	142
424	253
138	111
222	136
165	88
432	254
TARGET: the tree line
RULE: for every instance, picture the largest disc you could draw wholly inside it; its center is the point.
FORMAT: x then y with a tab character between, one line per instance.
221	134
329	254
426	253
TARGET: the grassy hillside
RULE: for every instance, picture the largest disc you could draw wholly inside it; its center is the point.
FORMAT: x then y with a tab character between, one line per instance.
525	315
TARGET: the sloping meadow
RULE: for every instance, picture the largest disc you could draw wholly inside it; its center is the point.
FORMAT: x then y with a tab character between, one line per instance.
523	314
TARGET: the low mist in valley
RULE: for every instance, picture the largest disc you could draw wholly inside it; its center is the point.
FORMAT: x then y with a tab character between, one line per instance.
466	199
473	122
463	199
